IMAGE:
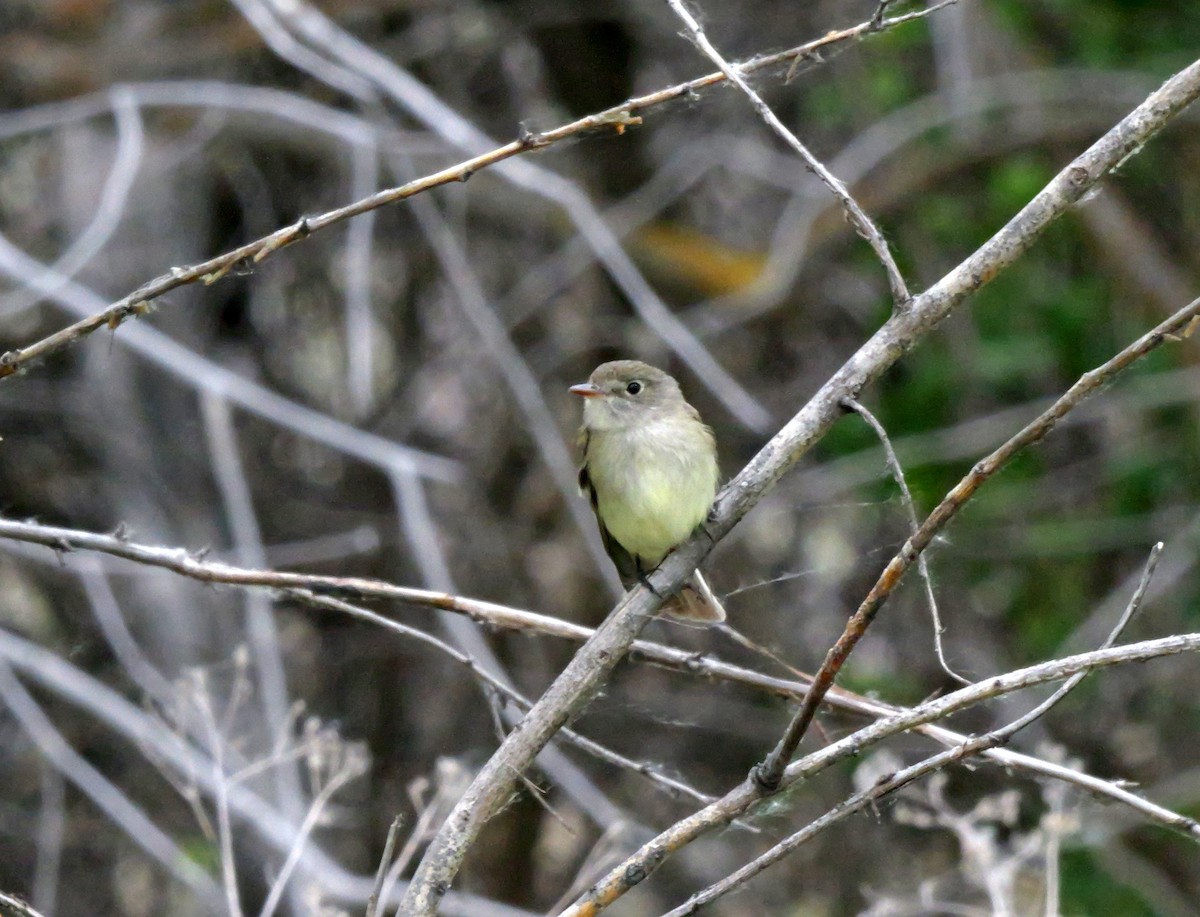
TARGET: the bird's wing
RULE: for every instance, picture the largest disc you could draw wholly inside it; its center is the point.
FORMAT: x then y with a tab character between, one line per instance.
626	563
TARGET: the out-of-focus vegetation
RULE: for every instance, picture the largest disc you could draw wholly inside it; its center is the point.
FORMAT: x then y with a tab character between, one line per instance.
943	129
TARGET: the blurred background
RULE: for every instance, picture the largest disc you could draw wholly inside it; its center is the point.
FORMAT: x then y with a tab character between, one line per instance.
388	399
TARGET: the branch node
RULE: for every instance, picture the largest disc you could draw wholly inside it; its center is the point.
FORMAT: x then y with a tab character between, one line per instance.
766	778
528	138
618	120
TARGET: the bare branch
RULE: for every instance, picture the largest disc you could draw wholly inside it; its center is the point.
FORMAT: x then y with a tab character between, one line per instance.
618	119
858	217
494	615
16	907
893	463
770	770
896	781
50	830
748	794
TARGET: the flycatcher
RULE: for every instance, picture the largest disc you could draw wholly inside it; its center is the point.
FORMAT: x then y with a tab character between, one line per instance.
649	467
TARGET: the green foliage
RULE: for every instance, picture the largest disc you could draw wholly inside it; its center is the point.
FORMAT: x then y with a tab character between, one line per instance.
1088	888
1106	33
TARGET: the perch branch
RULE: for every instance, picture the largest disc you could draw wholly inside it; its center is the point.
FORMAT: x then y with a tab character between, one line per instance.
585	674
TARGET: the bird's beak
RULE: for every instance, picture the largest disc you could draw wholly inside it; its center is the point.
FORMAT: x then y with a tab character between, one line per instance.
585	390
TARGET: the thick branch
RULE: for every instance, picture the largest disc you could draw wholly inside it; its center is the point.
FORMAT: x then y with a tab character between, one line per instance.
582	678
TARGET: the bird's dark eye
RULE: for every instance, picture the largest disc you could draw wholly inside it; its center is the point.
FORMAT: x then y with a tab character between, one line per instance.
633	387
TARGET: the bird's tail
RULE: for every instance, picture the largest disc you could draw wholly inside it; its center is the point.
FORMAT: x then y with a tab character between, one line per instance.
695	602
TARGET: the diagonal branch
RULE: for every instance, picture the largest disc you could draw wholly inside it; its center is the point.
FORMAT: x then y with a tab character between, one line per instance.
616	119
639	865
770	770
893	782
586	673
858	217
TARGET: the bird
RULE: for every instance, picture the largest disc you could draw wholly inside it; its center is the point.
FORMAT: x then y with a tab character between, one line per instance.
649	468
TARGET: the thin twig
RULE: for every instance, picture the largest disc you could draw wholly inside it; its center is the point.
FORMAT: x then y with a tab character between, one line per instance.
50	831
385	861
858	217
352	766
616	119
893	463
201	702
651	855
893	782
262	633
493	615
769	771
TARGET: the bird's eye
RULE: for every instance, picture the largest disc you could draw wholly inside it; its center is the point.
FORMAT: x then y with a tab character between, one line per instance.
633	387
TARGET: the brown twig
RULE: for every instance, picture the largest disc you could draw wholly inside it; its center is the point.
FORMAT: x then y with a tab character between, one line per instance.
857	217
616	119
893	782
770	770
639	865
494	615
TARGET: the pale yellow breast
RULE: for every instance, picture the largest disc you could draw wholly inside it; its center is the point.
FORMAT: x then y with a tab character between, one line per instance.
653	485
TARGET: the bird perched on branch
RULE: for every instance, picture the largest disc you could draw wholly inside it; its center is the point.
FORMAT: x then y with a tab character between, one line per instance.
649	467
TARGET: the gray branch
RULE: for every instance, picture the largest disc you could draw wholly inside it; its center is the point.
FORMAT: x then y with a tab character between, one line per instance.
586	673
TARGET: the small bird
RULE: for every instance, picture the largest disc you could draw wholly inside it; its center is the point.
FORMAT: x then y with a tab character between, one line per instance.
649	467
